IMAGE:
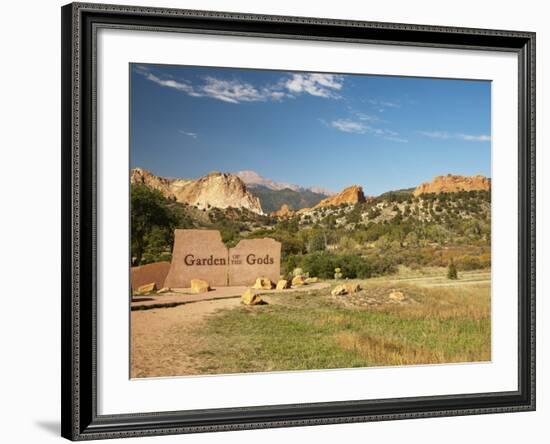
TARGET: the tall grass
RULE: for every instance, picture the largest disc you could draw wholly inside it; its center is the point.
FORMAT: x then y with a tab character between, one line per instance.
314	331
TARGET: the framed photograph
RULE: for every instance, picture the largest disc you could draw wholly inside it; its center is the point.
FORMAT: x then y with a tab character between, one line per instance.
282	221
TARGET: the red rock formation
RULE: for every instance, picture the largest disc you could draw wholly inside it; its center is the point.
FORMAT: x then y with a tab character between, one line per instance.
452	184
350	195
283	212
218	190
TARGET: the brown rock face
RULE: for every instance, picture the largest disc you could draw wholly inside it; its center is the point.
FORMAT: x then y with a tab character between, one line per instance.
453	184
283	212
216	189
350	195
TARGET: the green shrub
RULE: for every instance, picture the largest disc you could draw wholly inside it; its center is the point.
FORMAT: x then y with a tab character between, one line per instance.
451	271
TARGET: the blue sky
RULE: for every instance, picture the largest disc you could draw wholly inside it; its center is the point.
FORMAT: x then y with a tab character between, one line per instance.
311	129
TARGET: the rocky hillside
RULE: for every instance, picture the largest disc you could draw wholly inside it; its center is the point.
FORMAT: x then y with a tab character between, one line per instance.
215	190
400	208
283	212
452	184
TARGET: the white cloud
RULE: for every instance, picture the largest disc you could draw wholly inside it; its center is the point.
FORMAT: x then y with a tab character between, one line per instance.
382	105
436	134
186	133
350	126
320	85
236	91
180	86
367	117
358	127
447	135
397	139
231	91
473	138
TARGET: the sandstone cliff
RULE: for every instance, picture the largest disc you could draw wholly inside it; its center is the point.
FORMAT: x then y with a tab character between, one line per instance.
218	190
144	177
452	184
350	195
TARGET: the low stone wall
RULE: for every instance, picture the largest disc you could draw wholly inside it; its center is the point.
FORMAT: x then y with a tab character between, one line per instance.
147	274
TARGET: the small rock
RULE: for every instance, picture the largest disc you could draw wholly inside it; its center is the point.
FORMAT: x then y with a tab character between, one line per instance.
298	280
249	297
199	286
397	296
339	290
147	288
263	283
352	288
282	284
312	280
164	290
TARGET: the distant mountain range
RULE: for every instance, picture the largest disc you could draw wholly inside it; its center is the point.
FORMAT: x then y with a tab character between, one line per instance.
295	200
252	179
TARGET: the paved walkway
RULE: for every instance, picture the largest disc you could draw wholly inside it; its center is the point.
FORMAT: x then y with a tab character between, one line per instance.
180	296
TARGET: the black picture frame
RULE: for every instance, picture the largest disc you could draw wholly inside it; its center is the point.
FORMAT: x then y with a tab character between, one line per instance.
80	420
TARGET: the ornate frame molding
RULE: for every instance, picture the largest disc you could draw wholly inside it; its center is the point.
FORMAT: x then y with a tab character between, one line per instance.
80	22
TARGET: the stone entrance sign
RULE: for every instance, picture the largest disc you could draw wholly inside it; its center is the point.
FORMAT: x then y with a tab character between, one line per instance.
197	254
201	254
253	258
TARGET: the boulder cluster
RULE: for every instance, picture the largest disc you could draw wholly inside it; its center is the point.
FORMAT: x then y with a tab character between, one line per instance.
343	289
147	289
251	297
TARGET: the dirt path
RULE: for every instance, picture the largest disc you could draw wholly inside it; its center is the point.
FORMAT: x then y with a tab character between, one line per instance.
163	339
185	296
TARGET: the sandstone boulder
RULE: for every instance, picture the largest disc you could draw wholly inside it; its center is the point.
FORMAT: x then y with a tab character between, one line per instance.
298	281
147	288
312	280
199	286
263	283
397	296
339	290
352	288
282	284
249	297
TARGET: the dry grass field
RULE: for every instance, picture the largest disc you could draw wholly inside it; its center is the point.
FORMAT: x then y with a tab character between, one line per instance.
436	321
